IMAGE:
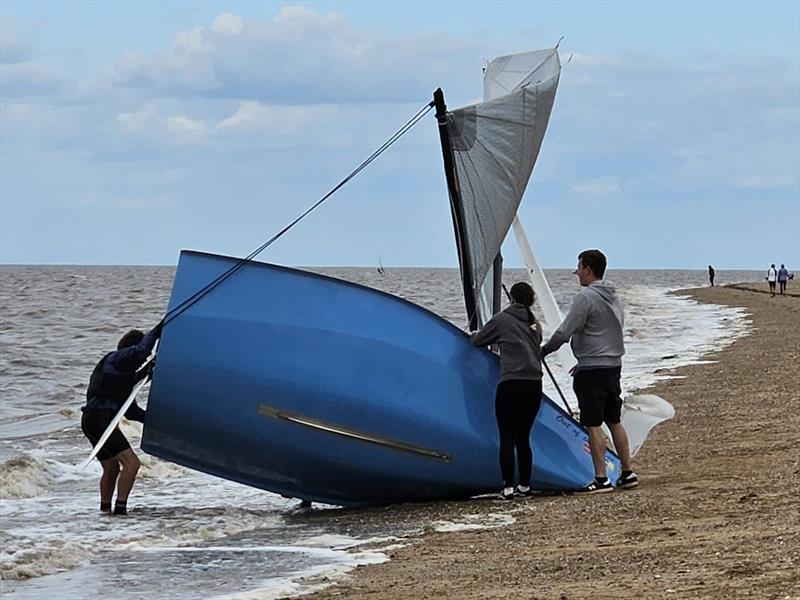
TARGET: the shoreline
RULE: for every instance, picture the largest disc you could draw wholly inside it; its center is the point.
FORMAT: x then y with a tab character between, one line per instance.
718	512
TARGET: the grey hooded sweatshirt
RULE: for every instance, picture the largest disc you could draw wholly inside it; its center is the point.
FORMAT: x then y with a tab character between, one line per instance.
594	323
519	343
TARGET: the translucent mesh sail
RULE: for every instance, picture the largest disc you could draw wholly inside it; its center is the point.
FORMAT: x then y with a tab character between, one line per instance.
495	145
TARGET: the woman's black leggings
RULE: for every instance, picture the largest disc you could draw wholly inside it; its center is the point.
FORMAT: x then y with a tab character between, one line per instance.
516	405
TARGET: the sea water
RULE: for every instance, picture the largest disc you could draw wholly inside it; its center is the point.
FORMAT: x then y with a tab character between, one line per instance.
192	535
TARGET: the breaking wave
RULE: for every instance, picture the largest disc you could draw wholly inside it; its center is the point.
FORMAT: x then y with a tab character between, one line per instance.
25	559
25	476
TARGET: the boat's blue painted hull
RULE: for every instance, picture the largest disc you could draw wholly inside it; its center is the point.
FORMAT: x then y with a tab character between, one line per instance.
321	389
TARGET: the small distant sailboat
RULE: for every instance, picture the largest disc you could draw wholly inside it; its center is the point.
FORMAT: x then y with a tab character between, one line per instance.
381	270
314	387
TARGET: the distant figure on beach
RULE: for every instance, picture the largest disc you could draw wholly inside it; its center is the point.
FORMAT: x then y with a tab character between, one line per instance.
783	278
594	324
112	381
711	274
519	388
772	277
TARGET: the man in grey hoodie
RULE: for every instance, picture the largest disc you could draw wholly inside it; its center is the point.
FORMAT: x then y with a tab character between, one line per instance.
594	323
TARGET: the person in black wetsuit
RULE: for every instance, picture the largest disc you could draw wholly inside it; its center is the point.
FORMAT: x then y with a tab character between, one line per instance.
519	388
112	381
711	273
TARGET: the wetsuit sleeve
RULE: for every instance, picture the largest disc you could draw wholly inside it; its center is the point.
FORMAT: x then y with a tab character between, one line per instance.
131	358
488	334
576	319
135	413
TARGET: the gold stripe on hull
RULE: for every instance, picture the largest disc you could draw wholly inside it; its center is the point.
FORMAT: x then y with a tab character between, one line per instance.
270	411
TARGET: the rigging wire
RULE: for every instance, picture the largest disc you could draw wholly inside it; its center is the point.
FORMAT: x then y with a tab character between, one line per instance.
197	296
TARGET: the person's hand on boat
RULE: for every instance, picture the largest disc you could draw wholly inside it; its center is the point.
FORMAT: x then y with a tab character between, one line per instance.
157	329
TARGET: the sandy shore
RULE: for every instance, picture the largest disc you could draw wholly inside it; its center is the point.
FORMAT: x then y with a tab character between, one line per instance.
718	513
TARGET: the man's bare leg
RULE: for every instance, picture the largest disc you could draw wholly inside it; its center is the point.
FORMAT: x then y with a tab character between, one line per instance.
621	444
597	444
130	467
107	482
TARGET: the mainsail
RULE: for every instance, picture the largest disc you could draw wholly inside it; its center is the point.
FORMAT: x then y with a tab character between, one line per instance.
490	149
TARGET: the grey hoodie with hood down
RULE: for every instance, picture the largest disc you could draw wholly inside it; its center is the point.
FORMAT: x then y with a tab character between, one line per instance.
594	323
518	341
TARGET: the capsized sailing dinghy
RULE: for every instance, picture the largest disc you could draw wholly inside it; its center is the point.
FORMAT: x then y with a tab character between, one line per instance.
317	388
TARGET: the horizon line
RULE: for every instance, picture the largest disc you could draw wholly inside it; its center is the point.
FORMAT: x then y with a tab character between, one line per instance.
509	267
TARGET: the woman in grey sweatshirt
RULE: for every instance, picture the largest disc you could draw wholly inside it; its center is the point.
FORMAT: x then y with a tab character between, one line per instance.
519	388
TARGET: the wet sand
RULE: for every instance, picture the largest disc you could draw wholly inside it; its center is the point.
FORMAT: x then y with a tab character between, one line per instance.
717	514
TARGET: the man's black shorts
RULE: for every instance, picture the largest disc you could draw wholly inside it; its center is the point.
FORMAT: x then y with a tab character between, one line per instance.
598	393
94	423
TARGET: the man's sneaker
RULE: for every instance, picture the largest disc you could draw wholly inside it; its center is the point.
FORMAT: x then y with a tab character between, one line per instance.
523	491
626	482
507	493
598	487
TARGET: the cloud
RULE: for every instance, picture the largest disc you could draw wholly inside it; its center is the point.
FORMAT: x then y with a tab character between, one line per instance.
255	118
28	122
148	121
14	47
766	181
143	119
185	128
228	23
28	79
598	186
299	57
157	125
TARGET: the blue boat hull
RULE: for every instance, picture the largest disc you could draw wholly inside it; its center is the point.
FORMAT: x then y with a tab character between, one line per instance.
317	388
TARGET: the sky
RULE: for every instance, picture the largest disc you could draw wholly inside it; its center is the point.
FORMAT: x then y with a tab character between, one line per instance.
132	130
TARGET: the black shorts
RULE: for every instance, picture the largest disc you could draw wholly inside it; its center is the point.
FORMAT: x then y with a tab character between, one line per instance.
93	424
599	395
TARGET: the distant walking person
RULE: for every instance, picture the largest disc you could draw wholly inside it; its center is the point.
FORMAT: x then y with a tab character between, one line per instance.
594	324
772	277
519	388
111	383
711	273
783	278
